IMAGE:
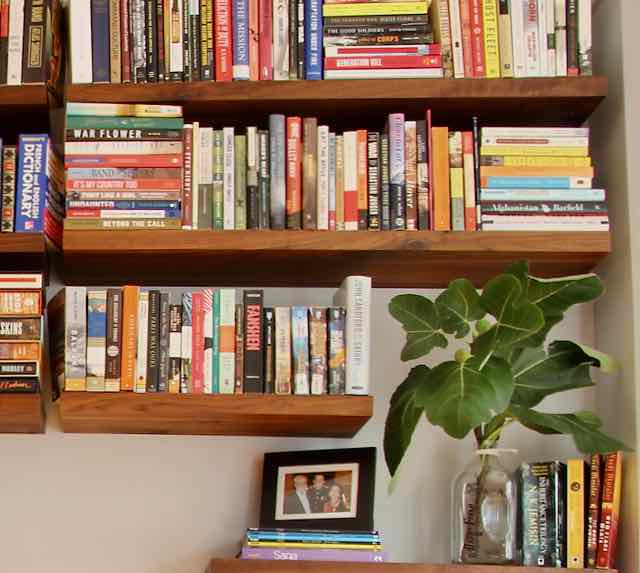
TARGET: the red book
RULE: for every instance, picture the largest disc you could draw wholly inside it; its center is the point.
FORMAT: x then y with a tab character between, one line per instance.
467	50
187	199
477	39
382	62
254	40
125	41
223	40
266	40
423	50
294	174
197	344
123	184
350	181
166	160
470	209
610	512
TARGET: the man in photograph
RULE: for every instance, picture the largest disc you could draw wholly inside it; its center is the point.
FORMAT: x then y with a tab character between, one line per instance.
318	493
297	501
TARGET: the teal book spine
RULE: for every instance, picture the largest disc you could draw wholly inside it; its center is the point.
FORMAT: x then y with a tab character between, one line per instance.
216	343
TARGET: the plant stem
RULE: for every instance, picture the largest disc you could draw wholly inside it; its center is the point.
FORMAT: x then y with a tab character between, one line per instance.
490	440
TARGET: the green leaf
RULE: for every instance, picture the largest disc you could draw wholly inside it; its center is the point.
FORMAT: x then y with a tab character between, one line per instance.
420	320
458	305
516	319
458	397
584	427
404	414
565	366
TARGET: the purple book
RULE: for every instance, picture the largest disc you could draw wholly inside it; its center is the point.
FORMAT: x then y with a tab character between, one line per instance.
293	554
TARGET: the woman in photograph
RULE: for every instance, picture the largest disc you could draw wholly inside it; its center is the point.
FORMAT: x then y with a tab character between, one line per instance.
336	501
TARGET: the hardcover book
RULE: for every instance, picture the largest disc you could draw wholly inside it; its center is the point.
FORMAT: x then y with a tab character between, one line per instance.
253	343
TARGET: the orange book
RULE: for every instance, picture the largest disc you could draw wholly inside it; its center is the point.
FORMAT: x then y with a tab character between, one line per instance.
499	171
21	303
294	173
362	181
19	350
441	194
129	337
254	41
470	209
610	512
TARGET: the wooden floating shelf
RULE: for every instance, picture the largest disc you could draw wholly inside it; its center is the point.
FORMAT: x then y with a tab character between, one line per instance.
394	259
285	566
527	101
24	98
214	414
22	251
21	414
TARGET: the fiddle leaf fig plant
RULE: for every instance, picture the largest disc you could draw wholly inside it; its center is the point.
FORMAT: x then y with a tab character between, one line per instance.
506	367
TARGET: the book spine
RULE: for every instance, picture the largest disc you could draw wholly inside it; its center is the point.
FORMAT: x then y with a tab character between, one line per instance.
585	61
186	41
397	171
269	350
576	500
293	40
22	329
240	181
32	183
187	202
281	39
531	38
75	338
340	183
125	41
228	135
160	40
550	31
593	514
422	175
151	49
176	43
332	181
543	45
186	342
239	350
113	341
505	39
309	173
25	351
559	553
16	33
266	39
175	347
153	342
253	342
241	40
313	39
264	179
22	368
202	45
142	343
195	42
361	180
456	38
609	511
573	65
283	350
350	180
337	350
373	179
96	339
353	555
207	337
20	303
467	43
8	188
254	40
163	344
166	32
115	42
253	197
456	180
227	341
491	42
223	41
302	50
205	177
529	500
277	160
560	7
322	181
218	180
440	17
517	10
300	349
294	174
4	39
197	344
411	175
385	186
16	385
195	175
138	44
440	171
318	350
215	343
470	207
35	34
382	62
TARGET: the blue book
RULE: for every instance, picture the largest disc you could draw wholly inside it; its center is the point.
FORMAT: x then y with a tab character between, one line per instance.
215	386
100	41
277	155
32	183
313	39
240	39
319	537
96	339
567	182
542	195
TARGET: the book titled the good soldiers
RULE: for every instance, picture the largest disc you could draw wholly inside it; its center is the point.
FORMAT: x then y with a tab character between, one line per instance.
610	511
593	516
337	350
96	339
175	349
300	349
269	350
253	343
318	350
283	349
114	340
577	480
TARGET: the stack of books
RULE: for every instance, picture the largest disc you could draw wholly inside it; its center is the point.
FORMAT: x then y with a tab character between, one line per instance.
313	545
203	342
570	512
539	179
379	40
32	192
124	166
21	308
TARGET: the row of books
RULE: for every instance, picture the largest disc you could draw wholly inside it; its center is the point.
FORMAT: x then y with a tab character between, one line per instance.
319	545
21	349
143	340
32	190
514	38
569	512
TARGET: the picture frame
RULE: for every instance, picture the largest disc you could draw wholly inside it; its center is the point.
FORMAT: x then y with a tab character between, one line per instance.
319	489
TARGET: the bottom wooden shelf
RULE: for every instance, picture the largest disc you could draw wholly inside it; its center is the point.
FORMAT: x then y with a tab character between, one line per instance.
214	414
21	414
284	566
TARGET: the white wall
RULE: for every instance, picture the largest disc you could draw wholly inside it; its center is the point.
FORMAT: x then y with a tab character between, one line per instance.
165	504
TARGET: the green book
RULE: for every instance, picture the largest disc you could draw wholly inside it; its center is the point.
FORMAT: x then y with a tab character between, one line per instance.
215	386
104	122
240	178
218	181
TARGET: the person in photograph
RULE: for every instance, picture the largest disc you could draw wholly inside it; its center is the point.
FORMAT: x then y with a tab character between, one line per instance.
337	501
318	493
297	501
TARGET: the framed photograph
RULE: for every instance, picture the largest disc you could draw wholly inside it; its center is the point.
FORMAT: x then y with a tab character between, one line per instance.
320	489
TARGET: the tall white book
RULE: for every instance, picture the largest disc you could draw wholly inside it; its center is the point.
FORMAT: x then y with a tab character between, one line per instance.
516	10
456	38
228	179
322	183
281	39
531	37
561	36
16	33
143	332
355	296
74	376
195	174
227	356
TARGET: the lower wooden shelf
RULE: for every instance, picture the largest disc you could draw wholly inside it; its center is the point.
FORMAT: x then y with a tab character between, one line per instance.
284	566
21	414
214	414
22	252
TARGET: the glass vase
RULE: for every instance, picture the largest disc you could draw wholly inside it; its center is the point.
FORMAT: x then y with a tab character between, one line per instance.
484	512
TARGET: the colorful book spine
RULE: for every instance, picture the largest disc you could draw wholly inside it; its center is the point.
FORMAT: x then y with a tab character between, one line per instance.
322	181
218	180
470	207
576	501
269	350
309	173
397	171
441	21
175	347
254	40
241	40
294	173
153	341
281	39
20	303
143	332
205	179
609	511
293	40
385	185
186	343
227	340
215	338
27	329
197	344
440	178
362	179
240	181
313	39
113	340
332	181
274	553
466	27
96	339
32	183
350	180
340	183
456	180
253	343
593	515
283	350
300	349
75	328
4	39
228	183
373	179
411	175
8	205
223	38
491	38
277	154
239	362
253	197
207	335
318	350
422	158
187	199
195	175
337	350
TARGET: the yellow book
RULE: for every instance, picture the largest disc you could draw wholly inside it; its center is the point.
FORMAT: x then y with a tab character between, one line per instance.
375	9
456	180
311	545
576	499
487	171
491	45
542	161
534	150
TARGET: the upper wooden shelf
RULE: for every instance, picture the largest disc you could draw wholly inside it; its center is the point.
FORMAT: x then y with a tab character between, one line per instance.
22	252
21	414
25	98
284	566
359	102
214	414
394	259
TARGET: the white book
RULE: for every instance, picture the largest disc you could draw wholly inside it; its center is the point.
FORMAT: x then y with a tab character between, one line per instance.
322	178
546	226
384	74
355	296
542	141
176	46
186	340
16	33
561	36
227	333
350	177
585	60
526	132
456	38
207	307
122	147
252	158
96	339
229	180
332	180
79	38
550	14
205	206
300	349
516	9
283	350
531	38
281	39
542	37
143	332
74	376
195	175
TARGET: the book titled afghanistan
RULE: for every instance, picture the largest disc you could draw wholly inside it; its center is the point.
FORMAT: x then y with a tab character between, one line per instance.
610	511
253	343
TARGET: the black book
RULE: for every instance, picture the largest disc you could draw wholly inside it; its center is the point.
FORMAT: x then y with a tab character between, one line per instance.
269	330
114	340
175	349
20	385
301	40
293	40
253	342
186	41
264	179
151	31
373	175
163	368
153	342
162	57
194	41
